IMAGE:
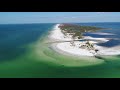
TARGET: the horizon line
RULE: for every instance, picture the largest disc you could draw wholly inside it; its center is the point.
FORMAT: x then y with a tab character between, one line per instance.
59	22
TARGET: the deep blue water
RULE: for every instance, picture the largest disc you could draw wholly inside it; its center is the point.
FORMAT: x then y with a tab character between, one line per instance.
13	38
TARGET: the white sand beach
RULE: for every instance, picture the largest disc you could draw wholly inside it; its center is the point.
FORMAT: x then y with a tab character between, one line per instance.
66	47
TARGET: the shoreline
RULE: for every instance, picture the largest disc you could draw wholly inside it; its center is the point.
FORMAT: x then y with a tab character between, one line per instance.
66	49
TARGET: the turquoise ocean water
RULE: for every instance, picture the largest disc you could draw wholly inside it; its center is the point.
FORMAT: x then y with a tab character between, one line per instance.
24	54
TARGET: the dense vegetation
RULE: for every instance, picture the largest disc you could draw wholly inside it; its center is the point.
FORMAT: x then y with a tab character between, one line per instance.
77	30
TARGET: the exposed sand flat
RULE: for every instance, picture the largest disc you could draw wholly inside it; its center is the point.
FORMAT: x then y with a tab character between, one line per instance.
73	50
101	33
66	47
101	39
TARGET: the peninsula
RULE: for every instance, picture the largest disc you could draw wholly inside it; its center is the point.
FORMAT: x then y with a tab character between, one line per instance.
68	38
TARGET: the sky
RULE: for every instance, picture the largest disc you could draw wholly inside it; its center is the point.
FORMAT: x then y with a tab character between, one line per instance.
57	17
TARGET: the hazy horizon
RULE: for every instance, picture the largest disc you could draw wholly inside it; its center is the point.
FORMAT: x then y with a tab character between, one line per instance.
58	17
56	23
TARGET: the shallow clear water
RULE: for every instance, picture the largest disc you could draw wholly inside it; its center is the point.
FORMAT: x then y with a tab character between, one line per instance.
24	53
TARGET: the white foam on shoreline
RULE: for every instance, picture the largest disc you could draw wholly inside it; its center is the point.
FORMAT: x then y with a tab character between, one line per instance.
66	47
